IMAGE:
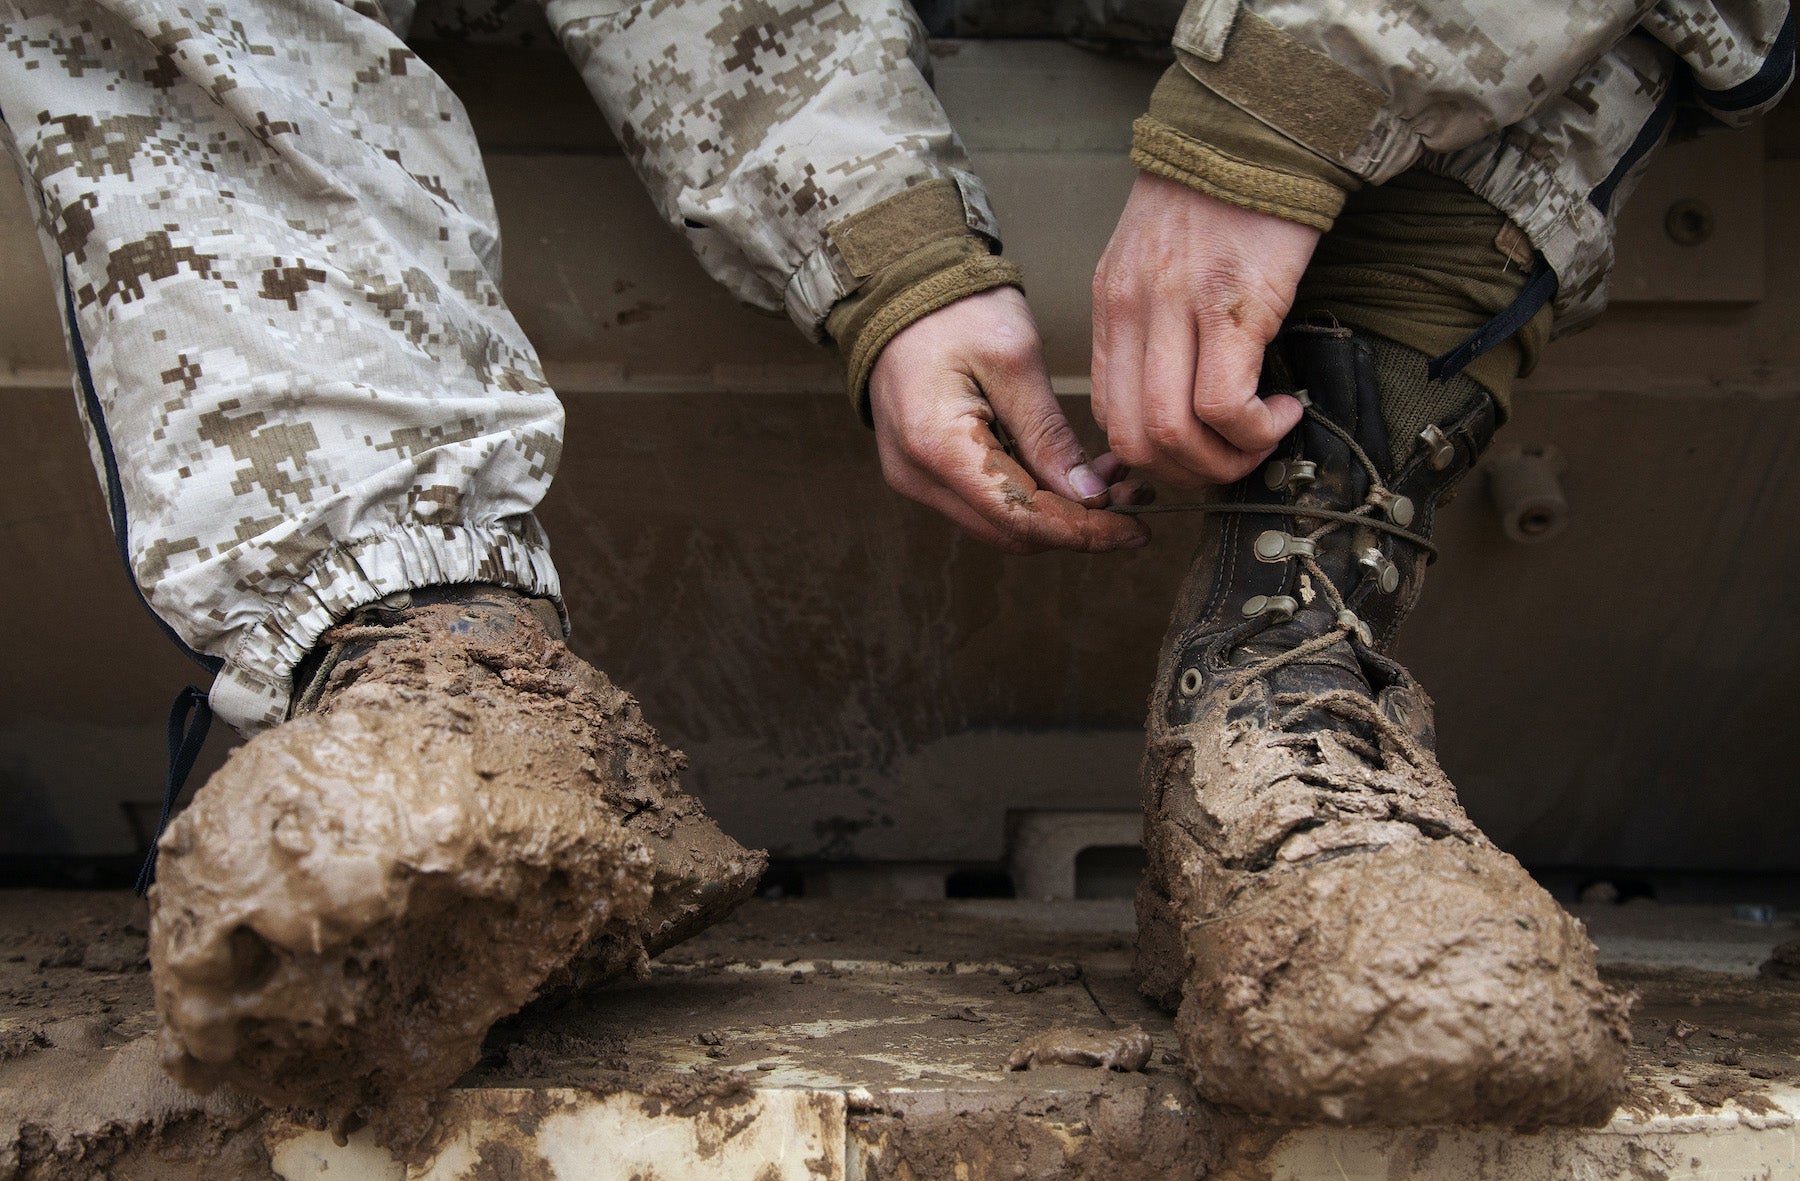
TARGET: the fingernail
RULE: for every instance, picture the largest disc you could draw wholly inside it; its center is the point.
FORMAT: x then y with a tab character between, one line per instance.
1086	482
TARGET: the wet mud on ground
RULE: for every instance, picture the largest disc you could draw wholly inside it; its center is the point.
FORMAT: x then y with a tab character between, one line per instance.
904	1006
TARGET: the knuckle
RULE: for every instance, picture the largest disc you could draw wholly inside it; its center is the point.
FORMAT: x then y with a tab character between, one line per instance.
1115	290
1165	435
1011	347
1045	428
1133	452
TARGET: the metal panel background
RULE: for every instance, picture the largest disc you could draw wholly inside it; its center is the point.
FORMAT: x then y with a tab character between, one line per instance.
853	681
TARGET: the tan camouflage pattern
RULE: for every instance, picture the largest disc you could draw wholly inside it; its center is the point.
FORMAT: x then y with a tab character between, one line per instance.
284	264
1531	103
755	125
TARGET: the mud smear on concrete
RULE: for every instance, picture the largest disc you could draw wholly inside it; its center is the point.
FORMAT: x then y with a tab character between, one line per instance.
865	1016
1701	1040
473	815
1124	1049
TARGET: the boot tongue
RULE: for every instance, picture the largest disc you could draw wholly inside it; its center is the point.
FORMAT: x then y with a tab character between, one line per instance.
1334	668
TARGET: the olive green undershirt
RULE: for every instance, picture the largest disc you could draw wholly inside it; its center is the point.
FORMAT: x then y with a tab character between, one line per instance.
1418	260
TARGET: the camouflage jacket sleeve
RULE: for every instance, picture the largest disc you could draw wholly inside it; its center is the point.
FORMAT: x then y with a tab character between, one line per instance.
1373	88
1548	110
781	140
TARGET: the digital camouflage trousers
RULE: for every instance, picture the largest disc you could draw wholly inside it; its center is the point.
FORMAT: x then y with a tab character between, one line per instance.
280	267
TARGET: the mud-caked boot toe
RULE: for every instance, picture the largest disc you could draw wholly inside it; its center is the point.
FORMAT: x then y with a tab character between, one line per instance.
1344	945
459	815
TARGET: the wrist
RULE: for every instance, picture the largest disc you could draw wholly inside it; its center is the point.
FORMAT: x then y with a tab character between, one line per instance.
913	255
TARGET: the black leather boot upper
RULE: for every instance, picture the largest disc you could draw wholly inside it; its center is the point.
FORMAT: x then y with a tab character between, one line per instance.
1326	538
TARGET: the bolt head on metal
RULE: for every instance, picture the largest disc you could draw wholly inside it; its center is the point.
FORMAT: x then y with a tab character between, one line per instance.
1688	223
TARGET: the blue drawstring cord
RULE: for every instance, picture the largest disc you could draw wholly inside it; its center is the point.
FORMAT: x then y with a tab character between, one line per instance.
1540	289
189	719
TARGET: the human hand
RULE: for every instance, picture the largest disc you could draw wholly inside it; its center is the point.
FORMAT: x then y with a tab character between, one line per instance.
1190	291
938	390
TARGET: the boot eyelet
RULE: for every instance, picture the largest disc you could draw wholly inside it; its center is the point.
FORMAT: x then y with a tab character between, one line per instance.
1294	475
1387	575
1440	452
1272	545
1398	509
1281	608
1190	682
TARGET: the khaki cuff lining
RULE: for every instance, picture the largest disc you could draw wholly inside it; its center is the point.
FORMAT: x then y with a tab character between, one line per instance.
1161	150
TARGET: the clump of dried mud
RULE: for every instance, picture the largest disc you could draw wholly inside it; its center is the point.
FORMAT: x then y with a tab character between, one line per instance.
358	895
1783	962
1423	984
1124	1050
1345	944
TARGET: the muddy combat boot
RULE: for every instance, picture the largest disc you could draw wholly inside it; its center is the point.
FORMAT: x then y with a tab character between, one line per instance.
1343	944
458	814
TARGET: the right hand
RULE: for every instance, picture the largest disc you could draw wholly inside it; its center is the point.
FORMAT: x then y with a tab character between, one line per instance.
1190	291
938	392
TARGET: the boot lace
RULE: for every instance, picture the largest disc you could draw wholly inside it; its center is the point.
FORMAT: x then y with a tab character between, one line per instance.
1341	703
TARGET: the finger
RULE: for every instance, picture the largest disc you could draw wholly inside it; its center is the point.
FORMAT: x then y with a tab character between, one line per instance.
1183	451
1227	371
1111	468
1013	527
1117	371
1101	319
954	464
1131	492
1011	374
1003	493
1006	495
1019	390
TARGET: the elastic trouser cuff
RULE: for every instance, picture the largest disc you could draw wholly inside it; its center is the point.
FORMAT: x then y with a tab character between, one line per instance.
252	691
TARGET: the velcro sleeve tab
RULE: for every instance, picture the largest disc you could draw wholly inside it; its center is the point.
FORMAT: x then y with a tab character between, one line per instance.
889	230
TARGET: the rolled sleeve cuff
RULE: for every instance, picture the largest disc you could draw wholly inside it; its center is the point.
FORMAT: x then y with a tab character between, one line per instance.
956	206
907	256
1198	138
